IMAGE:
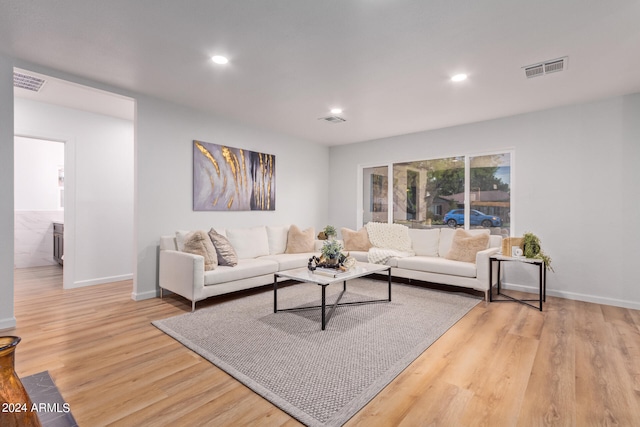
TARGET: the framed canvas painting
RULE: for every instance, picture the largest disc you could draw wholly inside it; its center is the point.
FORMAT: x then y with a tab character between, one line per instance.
232	179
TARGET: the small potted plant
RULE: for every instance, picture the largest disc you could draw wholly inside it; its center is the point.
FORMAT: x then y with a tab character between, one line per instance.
330	232
532	249
331	251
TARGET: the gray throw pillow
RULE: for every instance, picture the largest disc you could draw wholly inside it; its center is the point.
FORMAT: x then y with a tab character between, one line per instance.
226	253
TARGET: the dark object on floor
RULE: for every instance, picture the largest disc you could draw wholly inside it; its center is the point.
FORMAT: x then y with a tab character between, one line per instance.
53	411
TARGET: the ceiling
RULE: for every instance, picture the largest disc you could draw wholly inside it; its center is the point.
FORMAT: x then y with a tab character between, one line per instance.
387	63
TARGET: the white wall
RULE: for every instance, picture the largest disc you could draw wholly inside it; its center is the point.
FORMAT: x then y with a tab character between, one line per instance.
164	158
576	186
36	163
98	188
7	318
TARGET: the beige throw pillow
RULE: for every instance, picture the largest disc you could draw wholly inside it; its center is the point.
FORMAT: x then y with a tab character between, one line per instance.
299	241
198	243
355	240
226	253
465	246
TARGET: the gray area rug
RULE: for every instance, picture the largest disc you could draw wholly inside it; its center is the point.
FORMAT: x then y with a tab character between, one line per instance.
322	378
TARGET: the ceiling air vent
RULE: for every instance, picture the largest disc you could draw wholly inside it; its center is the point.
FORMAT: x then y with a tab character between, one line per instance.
551	66
333	119
25	81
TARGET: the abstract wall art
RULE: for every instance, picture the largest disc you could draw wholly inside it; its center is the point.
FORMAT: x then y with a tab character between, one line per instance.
232	179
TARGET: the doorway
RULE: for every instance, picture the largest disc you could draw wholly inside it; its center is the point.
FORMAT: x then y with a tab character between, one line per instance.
38	200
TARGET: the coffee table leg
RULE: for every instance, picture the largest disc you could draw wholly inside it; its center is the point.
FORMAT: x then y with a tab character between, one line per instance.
323	307
275	293
389	282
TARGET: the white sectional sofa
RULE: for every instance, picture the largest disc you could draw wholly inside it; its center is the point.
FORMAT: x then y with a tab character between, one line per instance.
261	252
429	262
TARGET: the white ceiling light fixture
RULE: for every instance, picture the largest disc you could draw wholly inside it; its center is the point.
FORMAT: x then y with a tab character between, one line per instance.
219	59
459	77
336	111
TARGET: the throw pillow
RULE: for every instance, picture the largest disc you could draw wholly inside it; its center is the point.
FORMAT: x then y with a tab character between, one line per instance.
198	243
355	240
299	241
425	242
277	237
180	236
226	254
465	246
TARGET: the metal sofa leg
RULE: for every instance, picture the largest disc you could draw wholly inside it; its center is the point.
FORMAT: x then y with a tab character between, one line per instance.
193	306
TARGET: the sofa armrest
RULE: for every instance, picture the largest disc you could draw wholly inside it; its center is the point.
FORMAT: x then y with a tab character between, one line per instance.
482	265
182	273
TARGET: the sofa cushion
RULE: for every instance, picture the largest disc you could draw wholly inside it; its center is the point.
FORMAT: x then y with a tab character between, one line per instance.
225	252
438	265
198	243
355	240
277	237
299	241
245	269
425	242
290	261
465	246
249	242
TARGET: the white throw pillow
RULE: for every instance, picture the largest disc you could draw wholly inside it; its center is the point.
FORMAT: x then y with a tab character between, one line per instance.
180	237
249	242
277	237
425	242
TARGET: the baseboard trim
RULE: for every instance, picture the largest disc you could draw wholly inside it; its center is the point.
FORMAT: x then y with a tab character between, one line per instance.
576	296
101	281
145	295
7	323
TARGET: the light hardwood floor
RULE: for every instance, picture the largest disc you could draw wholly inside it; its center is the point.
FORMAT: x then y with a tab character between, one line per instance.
503	364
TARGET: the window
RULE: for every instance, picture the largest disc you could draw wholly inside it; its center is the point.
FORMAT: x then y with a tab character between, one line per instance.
422	190
375	199
490	191
463	191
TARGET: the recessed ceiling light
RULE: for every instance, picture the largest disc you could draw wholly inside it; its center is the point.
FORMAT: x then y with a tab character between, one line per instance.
336	111
219	59
459	77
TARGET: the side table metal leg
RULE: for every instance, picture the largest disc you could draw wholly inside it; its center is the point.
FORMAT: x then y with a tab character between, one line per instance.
389	282
499	278
490	280
541	281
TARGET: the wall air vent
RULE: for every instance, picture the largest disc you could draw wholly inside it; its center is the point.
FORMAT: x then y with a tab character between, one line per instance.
551	66
25	81
333	119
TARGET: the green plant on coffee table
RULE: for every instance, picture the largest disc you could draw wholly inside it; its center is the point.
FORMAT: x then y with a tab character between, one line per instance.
330	231
532	249
331	249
